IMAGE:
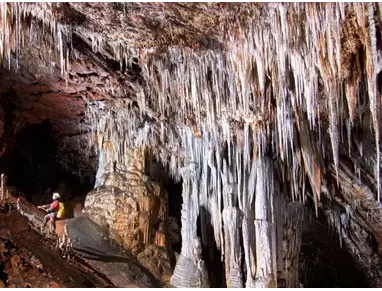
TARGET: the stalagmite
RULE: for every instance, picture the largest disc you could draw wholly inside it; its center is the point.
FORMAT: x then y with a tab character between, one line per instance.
190	272
231	220
160	238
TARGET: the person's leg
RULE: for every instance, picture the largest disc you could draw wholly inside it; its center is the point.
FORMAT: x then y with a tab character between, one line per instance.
54	224
46	218
53	221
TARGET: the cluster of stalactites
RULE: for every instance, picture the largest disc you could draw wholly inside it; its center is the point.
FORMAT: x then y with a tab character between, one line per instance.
16	30
236	190
273	63
211	116
38	23
269	76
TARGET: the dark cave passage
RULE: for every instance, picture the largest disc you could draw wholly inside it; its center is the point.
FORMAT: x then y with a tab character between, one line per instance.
34	169
211	254
3	275
175	201
323	263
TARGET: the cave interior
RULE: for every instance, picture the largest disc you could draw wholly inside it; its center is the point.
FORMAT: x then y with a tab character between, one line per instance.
233	150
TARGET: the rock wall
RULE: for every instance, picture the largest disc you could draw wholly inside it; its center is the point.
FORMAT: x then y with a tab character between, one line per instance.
132	208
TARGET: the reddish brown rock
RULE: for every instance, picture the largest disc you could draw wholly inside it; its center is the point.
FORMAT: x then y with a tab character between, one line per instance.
156	259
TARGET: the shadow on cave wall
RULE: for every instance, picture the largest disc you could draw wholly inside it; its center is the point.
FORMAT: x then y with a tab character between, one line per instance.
323	263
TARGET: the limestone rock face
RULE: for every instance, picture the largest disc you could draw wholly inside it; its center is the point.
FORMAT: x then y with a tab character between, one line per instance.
133	209
156	259
131	215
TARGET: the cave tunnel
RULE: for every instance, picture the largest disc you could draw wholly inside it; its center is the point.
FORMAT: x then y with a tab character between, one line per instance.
323	263
35	170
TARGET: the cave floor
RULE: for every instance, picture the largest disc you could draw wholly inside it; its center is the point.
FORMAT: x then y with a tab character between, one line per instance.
96	261
29	260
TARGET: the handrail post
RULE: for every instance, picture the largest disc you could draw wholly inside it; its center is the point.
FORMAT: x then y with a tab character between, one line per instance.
2	186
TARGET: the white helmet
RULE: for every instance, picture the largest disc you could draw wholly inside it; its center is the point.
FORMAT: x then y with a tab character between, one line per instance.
56	196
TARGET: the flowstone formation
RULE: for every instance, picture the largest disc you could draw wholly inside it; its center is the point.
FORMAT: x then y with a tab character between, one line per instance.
132	208
261	110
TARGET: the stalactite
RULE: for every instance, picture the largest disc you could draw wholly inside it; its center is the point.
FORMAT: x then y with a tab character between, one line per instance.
312	163
372	79
333	127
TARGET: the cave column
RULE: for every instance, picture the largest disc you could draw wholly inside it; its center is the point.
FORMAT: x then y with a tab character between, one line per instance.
232	219
248	229
190	270
264	225
293	216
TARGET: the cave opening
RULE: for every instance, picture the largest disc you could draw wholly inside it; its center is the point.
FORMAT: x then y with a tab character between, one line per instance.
34	168
323	263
